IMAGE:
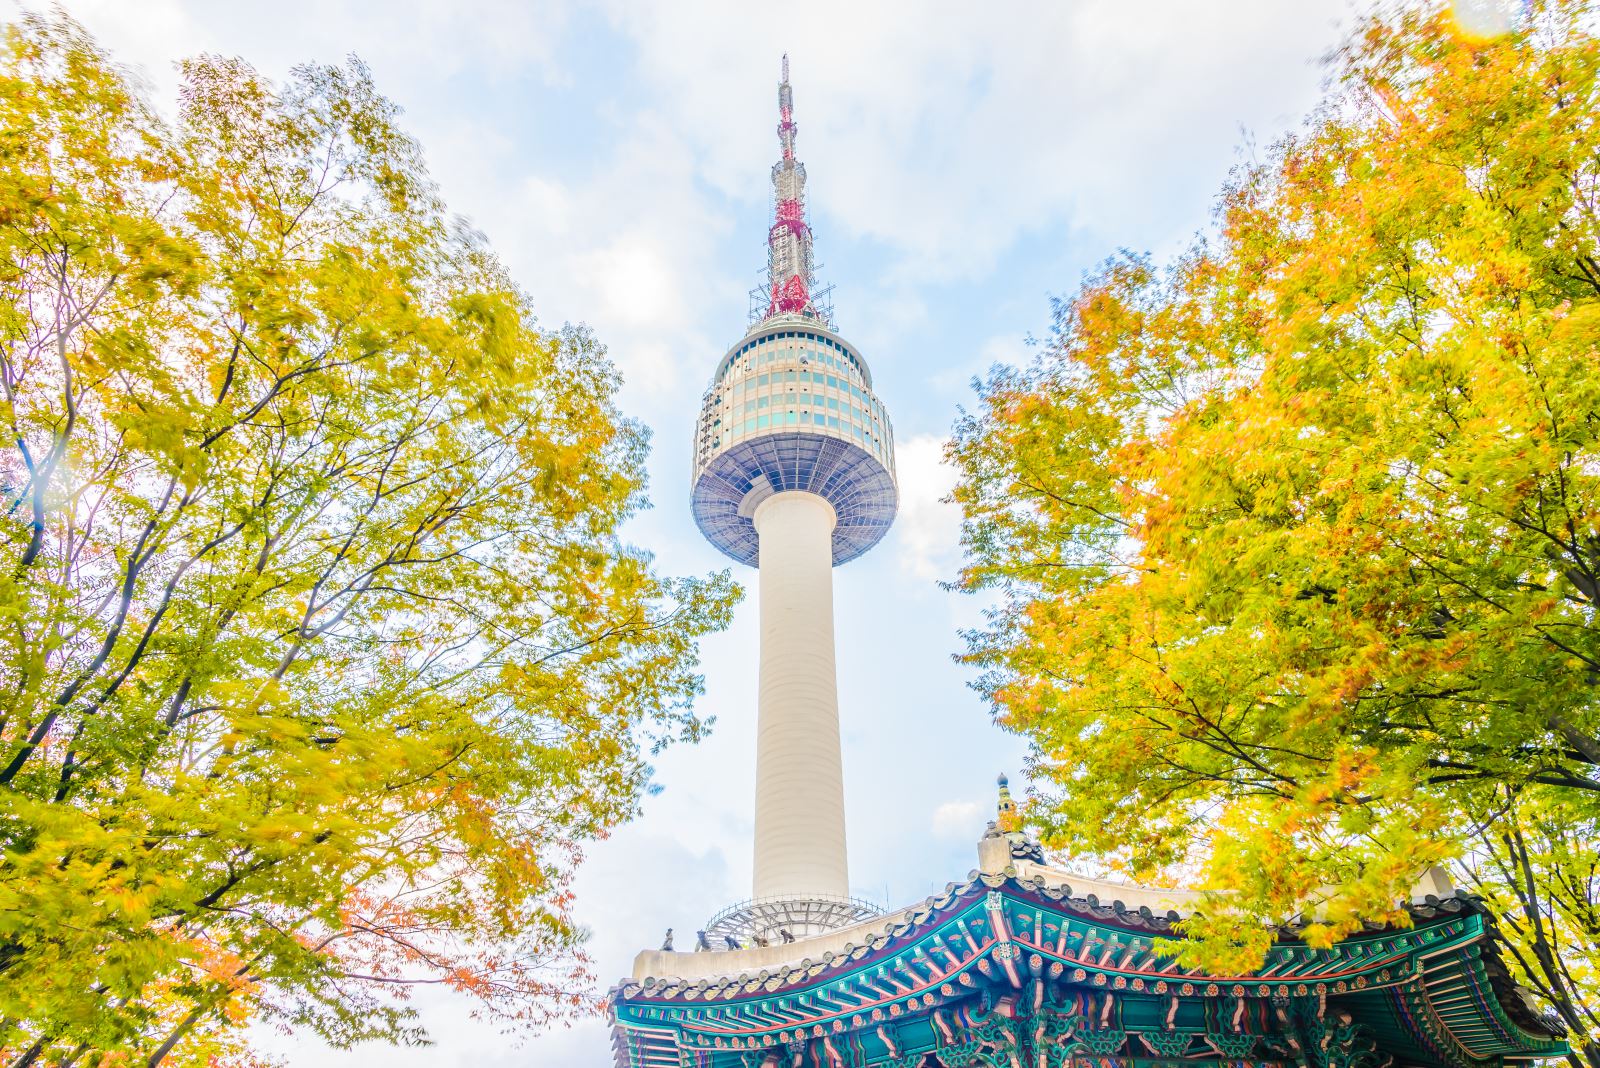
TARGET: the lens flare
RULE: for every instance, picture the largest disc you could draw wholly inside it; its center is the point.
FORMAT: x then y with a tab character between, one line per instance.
1482	20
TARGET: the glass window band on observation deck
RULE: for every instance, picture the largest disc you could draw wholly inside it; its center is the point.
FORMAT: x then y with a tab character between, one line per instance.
782	377
791	407
763	347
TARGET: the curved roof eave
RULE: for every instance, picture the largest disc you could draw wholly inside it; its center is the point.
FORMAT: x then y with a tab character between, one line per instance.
962	932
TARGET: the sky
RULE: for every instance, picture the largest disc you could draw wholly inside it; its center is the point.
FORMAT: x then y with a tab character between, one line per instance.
966	163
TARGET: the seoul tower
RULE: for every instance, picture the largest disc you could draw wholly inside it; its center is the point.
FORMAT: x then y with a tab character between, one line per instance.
794	475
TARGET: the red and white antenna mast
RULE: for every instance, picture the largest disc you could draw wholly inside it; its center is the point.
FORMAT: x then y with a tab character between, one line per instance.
791	283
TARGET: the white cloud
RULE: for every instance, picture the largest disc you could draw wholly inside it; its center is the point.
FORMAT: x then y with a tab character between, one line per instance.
958	819
928	528
949	134
630	247
997	350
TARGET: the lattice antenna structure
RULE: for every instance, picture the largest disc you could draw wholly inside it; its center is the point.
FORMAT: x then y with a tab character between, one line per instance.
791	269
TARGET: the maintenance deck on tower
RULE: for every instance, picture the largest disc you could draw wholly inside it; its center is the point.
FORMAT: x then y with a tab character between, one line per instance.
792	408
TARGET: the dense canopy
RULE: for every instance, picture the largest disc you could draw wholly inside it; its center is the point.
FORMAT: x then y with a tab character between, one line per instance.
320	655
1296	541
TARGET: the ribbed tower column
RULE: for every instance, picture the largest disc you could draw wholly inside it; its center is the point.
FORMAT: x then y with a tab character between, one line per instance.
800	844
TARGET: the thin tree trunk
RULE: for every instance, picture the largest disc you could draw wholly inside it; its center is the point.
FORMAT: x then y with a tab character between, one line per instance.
177	1034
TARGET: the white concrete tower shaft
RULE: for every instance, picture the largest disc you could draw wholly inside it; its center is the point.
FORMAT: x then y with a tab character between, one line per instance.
800	835
794	474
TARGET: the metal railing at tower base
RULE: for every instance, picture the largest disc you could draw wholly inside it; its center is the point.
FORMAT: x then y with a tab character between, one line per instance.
763	921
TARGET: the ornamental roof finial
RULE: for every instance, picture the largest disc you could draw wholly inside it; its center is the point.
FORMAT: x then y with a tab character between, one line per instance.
1006	819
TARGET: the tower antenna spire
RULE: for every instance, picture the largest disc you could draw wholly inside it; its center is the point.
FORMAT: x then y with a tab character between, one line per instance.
791	277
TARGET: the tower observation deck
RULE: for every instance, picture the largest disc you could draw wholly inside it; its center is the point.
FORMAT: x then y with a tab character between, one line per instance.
794	475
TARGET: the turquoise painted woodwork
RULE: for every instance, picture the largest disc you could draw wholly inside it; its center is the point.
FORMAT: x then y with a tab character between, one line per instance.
1005	972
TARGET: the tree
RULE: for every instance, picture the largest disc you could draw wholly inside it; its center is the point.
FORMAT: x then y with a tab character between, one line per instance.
1295	543
320	655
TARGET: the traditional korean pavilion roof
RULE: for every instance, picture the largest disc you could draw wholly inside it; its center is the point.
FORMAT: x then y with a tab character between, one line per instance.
1024	965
